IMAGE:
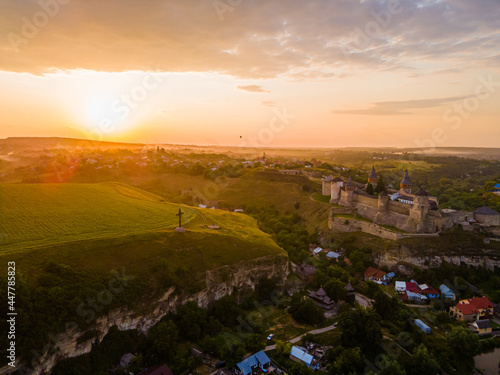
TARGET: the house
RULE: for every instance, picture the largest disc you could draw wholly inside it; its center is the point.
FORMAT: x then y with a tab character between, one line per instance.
429	291
468	310
332	255
247	366
306	272
322	299
125	359
298	354
424	327
482	327
317	251
400	286
157	370
378	276
415	297
447	292
412	287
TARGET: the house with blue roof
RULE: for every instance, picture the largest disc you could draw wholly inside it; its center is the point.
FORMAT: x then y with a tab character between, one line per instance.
298	354
257	361
447	292
332	255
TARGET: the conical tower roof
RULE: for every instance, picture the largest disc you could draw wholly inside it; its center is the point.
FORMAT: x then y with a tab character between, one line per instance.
421	192
349	287
350	183
373	174
406	179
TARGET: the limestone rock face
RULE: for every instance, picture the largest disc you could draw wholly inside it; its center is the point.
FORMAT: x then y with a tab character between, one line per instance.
219	282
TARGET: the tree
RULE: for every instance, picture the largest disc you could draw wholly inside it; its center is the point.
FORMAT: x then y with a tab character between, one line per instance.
335	289
422	362
191	321
226	310
305	311
380	184
389	366
254	343
384	305
369	189
360	327
283	347
162	340
349	361
463	341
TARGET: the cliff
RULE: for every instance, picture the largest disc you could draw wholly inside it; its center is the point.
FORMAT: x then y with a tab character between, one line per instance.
219	282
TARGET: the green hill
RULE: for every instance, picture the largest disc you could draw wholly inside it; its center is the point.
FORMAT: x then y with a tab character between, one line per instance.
98	227
69	241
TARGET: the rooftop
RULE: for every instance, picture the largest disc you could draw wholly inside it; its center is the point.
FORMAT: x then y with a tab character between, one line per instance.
406	179
486	211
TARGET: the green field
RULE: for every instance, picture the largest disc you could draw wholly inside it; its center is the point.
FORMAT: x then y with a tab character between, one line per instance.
35	215
98	227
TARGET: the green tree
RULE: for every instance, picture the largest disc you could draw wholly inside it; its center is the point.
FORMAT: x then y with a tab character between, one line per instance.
304	310
389	366
380	187
361	328
335	289
162	340
422	362
226	310
463	341
369	189
349	361
283	347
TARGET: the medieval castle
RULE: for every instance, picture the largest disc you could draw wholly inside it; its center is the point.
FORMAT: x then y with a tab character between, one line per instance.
410	212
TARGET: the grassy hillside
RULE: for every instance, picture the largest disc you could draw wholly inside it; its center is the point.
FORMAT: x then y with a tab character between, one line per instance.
69	240
103	226
35	215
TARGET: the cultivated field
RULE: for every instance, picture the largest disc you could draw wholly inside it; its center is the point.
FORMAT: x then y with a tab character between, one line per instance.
35	215
100	227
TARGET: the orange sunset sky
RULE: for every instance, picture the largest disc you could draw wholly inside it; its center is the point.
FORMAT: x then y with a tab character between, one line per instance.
324	73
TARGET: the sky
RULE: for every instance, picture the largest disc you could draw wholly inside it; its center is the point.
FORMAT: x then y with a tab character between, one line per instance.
286	73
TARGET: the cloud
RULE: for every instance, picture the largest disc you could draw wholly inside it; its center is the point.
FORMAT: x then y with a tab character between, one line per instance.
277	38
269	103
252	88
399	107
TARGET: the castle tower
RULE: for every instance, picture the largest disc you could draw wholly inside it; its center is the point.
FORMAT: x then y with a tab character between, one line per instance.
420	209
372	178
383	201
349	190
405	185
350	185
336	189
326	185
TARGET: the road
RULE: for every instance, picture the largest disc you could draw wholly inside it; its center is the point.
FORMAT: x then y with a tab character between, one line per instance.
363	300
298	338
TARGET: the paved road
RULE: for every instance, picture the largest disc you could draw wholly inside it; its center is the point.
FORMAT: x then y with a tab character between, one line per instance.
363	300
298	338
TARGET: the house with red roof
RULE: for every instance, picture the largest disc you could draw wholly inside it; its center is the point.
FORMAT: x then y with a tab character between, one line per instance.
469	310
375	275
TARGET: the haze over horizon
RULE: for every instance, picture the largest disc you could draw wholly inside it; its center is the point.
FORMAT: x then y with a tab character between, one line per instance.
396	73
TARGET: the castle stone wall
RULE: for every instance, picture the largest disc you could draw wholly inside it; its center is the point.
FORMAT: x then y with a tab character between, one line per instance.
369	201
339	224
398	207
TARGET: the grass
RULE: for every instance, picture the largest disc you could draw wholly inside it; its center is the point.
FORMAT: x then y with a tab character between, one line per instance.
37	215
321	198
100	227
